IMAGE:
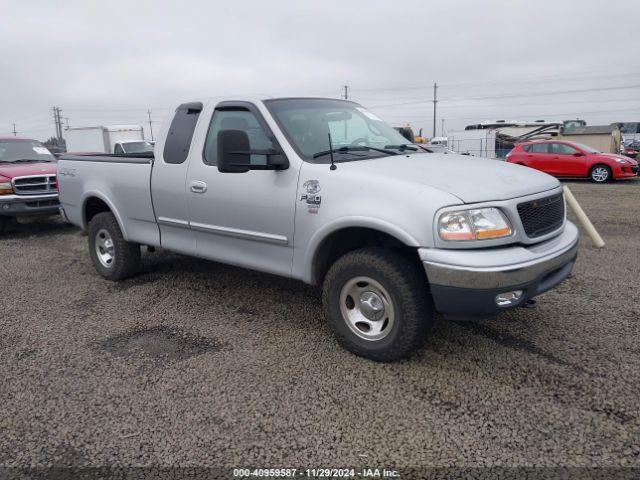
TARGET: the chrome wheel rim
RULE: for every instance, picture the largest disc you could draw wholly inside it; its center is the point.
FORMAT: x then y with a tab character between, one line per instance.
600	174
105	249
367	308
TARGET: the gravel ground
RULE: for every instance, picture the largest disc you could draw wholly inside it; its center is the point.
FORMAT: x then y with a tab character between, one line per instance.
194	363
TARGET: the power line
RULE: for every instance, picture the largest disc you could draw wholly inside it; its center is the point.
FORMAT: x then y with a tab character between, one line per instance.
519	95
536	80
627	110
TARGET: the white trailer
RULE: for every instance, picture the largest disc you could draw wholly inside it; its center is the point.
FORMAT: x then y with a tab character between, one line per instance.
480	143
101	139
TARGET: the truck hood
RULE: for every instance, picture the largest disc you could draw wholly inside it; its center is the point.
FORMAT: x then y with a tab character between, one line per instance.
471	179
12	170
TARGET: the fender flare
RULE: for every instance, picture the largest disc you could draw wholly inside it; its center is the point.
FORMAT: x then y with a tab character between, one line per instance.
342	223
95	194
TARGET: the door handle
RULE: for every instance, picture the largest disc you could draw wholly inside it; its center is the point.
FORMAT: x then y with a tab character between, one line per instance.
198	187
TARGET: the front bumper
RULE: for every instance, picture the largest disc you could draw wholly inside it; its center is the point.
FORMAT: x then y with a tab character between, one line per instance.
466	282
26	205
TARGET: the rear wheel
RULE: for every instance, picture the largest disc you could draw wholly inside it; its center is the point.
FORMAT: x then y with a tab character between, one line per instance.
377	303
600	174
113	257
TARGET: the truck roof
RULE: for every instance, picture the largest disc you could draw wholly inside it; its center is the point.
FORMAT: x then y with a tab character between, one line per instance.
260	98
4	139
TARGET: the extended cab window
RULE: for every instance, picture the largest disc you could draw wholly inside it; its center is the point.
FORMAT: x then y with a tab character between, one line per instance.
118	150
236	119
562	149
176	147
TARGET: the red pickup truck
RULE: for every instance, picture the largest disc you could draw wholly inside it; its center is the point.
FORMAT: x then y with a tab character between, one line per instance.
561	158
28	185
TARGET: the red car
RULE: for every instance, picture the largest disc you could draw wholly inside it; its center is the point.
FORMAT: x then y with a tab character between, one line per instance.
574	160
28	186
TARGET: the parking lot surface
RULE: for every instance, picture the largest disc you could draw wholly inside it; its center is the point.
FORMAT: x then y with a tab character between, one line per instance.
194	363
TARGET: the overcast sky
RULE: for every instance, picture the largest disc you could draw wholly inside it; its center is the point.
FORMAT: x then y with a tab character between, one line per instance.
108	62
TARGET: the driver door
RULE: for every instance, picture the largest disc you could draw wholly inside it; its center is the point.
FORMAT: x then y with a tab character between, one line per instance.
244	219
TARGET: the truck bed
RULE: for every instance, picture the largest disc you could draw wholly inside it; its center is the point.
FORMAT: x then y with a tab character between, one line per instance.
122	182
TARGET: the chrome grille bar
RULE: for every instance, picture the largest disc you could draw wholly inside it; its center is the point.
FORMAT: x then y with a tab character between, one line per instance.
35	184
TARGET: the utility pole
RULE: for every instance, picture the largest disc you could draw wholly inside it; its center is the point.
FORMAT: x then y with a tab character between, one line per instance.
66	121
150	126
14	130
346	92
58	122
442	130
435	101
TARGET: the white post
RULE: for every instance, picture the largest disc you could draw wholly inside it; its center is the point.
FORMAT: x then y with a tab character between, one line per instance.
582	218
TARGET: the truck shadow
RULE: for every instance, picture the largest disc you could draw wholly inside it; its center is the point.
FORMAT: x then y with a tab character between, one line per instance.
205	283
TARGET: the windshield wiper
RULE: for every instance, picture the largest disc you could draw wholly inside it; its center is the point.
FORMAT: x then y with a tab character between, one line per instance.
348	150
402	147
354	148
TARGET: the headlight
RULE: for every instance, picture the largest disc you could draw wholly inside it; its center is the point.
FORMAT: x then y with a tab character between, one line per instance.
619	160
5	188
476	224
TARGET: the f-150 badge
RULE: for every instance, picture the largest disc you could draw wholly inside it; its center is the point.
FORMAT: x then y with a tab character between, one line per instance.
312	197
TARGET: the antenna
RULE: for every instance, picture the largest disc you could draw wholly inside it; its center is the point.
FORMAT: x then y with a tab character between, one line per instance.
333	165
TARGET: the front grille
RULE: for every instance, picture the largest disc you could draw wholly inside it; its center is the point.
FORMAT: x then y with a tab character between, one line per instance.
542	216
37	184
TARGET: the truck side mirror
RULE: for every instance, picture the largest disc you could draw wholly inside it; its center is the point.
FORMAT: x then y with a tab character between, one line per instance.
234	154
233	151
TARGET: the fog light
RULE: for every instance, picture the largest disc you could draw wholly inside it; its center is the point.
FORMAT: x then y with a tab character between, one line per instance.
6	206
507	299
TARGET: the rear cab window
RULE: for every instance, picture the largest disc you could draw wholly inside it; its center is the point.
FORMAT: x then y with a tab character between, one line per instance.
178	142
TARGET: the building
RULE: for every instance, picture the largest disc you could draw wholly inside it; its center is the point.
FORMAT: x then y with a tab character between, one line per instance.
605	138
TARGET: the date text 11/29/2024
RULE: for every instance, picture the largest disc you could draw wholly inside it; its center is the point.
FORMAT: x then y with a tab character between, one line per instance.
315	472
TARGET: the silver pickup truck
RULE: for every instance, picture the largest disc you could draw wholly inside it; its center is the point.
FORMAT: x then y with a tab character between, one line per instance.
324	191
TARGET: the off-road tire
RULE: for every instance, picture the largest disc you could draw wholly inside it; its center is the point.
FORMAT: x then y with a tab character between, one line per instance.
408	289
126	262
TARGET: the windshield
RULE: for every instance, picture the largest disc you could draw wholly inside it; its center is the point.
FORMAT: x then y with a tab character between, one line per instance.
307	122
24	150
137	147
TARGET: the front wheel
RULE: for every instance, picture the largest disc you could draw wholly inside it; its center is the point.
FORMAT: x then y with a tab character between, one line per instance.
377	303
600	174
113	257
4	223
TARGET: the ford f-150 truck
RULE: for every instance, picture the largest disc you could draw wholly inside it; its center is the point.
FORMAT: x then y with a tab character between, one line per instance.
28	187
324	191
